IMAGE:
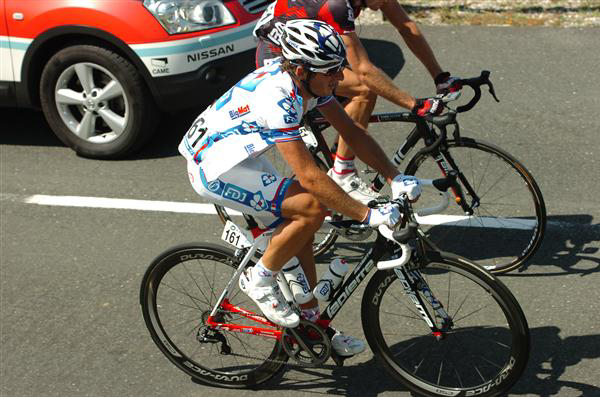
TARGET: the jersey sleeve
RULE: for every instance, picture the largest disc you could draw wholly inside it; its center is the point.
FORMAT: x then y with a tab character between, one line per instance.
339	14
281	113
324	100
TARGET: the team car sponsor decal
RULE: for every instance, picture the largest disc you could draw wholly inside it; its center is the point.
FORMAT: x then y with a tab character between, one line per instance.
189	54
212	53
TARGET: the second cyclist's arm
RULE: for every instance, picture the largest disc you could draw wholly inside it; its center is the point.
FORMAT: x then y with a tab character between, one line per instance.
316	182
373	77
412	36
363	145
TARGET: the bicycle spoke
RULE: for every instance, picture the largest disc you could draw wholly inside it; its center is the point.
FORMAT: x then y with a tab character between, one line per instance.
196	283
456	320
184	292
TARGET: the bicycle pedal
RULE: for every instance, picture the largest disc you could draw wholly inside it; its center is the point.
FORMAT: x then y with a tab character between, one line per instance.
337	359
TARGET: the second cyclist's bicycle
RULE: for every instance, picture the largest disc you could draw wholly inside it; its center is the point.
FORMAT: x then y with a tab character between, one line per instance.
498	217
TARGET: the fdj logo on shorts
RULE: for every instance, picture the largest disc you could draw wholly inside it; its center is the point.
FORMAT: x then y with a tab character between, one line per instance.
242	196
236	193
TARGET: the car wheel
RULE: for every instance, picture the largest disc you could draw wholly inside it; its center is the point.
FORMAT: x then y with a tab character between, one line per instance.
96	102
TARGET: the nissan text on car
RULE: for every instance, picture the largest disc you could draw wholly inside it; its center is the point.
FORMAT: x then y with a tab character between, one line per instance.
103	70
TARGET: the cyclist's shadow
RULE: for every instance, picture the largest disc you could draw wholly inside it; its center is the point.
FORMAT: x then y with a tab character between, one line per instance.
571	244
550	357
387	55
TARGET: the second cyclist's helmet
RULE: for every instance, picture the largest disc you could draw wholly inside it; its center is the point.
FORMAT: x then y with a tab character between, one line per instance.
313	44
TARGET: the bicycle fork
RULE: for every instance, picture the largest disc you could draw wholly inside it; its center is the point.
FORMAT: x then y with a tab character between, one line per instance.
442	159
416	288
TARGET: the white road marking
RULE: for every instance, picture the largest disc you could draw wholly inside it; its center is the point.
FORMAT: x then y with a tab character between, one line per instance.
483	221
209	209
126	204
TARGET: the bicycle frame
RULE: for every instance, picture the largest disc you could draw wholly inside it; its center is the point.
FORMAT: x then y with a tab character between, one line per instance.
408	275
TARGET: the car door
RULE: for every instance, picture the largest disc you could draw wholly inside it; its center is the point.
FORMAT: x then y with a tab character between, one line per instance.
7	78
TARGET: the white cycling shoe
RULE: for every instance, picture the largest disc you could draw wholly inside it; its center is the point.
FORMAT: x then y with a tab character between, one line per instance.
345	345
354	186
270	300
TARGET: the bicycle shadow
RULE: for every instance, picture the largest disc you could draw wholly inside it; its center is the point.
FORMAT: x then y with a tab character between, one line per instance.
549	360
571	244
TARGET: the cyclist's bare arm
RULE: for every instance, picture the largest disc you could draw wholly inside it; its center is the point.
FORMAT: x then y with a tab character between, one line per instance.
412	36
362	144
371	76
316	182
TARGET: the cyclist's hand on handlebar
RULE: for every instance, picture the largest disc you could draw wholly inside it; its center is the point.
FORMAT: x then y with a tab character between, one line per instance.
445	83
388	214
428	107
406	184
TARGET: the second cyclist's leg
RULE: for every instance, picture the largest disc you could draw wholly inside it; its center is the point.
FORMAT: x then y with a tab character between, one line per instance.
359	108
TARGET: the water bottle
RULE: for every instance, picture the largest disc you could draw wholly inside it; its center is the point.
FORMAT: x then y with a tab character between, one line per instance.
332	278
296	279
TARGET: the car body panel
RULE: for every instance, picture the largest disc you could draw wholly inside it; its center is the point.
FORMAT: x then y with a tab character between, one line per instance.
123	23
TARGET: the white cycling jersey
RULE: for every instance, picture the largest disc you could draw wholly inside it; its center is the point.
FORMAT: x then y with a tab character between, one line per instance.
262	109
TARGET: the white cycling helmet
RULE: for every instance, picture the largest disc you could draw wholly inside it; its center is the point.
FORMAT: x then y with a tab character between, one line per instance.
313	44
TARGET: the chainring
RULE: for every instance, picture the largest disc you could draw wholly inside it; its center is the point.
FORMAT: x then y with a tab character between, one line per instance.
307	344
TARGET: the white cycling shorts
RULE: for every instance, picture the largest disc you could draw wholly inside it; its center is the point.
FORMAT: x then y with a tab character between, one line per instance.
252	187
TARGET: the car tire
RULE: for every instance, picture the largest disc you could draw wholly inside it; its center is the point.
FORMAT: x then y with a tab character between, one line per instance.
96	102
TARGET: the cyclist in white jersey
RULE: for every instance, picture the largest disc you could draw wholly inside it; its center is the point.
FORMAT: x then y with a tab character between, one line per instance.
223	149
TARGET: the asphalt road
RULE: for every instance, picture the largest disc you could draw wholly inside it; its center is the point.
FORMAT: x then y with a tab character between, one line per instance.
70	320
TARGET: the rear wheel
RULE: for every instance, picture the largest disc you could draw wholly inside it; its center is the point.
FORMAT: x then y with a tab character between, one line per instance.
178	292
482	350
508	223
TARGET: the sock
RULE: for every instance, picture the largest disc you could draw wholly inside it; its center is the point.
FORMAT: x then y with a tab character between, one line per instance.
311	314
263	275
343	166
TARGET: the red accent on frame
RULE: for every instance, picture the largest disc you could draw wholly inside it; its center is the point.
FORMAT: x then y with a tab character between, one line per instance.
273	332
257	231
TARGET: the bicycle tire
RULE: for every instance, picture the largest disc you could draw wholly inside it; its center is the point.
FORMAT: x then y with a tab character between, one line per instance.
510	199
176	325
461	363
325	237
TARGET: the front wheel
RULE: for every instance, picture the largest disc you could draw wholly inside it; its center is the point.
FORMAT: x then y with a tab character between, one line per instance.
483	345
178	292
508	212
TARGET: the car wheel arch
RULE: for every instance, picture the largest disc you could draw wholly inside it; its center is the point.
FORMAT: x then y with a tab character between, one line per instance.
45	45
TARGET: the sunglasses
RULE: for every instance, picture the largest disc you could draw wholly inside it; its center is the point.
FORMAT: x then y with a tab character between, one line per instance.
334	70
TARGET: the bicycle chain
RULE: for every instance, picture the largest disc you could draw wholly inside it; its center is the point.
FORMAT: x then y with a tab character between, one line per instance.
290	361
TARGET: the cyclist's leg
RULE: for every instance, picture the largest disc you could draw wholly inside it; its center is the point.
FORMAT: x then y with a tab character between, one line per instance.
254	187
359	108
362	99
